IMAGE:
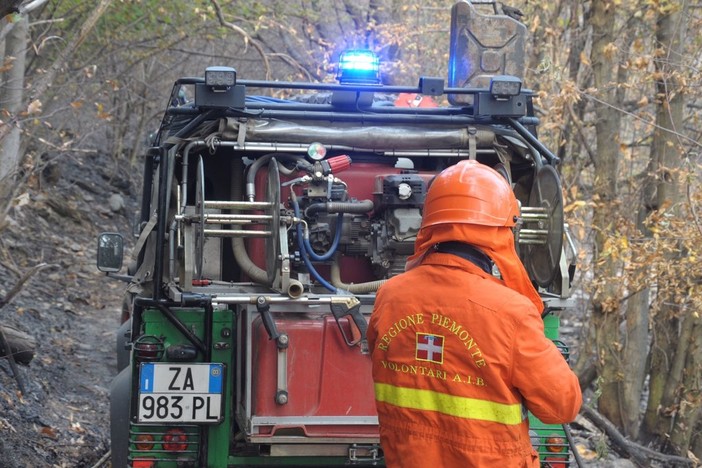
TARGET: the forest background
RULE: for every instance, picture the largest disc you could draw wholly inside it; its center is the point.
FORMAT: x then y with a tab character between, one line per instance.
619	95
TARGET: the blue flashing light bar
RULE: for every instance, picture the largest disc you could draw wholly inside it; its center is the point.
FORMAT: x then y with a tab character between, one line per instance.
359	66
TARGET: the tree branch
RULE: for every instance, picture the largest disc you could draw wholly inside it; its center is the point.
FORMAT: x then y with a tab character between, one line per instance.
293	63
247	37
640	454
64	57
18	287
581	135
641	119
693	210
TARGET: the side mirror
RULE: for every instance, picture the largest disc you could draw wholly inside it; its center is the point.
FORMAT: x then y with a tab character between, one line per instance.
110	253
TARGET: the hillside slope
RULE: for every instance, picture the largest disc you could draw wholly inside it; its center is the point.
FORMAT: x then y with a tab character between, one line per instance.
67	305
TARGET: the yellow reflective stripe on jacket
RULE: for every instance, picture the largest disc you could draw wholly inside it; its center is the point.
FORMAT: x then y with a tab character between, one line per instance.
462	407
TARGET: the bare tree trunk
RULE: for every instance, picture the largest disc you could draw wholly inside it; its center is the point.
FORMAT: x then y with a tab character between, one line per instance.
688	400
606	314
11	96
686	432
11	99
674	403
634	355
573	132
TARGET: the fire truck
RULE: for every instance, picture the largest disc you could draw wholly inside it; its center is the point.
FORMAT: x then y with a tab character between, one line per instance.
266	227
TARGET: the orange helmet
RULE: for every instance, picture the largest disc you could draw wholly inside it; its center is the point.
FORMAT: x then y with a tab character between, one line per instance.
470	193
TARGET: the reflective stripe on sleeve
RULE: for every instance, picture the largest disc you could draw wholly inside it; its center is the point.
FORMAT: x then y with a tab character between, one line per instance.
462	407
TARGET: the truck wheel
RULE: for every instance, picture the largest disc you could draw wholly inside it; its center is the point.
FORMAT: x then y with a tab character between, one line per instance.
119	418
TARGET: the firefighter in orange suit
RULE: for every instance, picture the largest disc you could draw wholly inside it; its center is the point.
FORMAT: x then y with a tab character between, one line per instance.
459	355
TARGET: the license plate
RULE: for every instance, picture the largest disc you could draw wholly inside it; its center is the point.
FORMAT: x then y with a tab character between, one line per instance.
180	393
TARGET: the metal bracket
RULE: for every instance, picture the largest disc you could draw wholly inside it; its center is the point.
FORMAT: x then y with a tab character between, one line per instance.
281	394
364	453
487	105
284	257
282	341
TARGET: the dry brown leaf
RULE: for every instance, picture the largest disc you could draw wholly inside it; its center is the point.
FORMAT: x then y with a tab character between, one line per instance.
49	432
34	107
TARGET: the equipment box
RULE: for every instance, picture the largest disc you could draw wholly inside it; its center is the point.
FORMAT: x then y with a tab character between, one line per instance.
306	385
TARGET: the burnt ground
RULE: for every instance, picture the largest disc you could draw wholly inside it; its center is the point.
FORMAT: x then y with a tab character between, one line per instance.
70	308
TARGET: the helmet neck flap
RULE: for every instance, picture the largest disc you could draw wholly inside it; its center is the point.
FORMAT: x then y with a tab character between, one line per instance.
496	242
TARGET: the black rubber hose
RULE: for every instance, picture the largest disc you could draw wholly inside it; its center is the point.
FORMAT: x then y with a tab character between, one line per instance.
358	207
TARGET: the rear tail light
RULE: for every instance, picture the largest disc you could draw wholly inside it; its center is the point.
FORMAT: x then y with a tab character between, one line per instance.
175	440
556	462
144	442
143	464
556	446
148	348
555	443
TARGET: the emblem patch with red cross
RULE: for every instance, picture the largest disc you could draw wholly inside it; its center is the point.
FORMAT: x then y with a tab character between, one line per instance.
430	348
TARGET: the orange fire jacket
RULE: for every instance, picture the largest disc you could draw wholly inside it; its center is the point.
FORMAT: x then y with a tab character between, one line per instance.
458	358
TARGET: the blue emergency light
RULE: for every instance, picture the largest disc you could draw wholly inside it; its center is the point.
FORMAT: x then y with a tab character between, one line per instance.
359	67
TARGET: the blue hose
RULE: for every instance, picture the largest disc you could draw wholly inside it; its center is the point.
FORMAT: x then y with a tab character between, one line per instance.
303	250
335	243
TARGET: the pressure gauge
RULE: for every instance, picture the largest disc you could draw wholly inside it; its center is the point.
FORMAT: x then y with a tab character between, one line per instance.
316	151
